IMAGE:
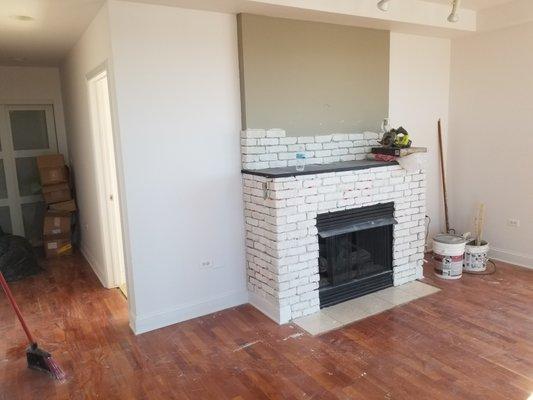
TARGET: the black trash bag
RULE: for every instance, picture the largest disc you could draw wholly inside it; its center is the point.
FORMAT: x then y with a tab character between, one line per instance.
17	258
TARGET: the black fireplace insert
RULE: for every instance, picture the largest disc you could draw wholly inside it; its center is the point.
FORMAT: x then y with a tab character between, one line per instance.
355	256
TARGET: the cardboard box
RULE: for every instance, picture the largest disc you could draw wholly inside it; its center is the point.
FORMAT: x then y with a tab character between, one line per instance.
52	169
56	193
50	161
56	222
67	206
52	176
57	245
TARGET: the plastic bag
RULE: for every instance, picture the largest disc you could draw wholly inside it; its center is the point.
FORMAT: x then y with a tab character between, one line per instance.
17	258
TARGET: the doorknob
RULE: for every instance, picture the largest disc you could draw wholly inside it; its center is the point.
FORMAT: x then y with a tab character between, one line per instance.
111	197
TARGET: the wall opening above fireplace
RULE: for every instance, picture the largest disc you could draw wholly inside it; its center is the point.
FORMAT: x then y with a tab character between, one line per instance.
355	252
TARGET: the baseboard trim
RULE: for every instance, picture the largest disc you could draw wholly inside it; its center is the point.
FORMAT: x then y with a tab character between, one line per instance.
263	305
520	259
95	266
145	323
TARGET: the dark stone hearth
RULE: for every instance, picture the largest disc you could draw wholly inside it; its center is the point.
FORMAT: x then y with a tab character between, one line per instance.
318	168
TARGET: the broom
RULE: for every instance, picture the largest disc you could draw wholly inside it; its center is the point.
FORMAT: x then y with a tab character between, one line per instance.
38	359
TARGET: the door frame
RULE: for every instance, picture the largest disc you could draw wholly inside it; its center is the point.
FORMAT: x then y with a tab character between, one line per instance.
114	271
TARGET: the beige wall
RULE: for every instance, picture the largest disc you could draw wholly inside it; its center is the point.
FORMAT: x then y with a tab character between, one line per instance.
491	138
312	78
419	96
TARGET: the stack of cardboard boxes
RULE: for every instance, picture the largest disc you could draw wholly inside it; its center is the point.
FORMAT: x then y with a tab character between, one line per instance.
60	205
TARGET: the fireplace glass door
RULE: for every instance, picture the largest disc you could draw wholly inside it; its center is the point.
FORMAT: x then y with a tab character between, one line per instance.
355	255
355	252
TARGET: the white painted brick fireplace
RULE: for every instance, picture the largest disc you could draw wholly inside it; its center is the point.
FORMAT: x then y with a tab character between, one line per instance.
281	216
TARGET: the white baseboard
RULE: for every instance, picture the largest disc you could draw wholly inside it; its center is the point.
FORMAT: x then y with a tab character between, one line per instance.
145	323
95	266
523	260
267	308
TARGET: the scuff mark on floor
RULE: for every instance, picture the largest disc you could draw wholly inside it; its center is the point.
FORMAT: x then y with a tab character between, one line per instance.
293	336
246	345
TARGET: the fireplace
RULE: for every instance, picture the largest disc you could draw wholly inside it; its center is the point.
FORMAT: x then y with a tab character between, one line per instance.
355	252
326	234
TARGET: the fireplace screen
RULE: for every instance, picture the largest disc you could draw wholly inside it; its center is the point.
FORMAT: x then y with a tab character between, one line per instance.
355	252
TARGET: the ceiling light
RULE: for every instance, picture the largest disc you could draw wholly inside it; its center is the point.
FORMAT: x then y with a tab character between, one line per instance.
453	17
25	18
383	5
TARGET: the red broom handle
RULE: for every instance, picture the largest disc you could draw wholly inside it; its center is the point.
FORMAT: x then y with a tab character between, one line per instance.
16	308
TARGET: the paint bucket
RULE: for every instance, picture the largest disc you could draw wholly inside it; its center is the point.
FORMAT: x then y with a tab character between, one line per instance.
448	252
476	257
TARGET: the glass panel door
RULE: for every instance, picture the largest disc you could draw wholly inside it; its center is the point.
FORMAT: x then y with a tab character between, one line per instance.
26	131
5	216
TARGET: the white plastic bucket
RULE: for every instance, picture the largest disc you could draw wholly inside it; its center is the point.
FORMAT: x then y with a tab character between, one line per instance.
476	257
448	252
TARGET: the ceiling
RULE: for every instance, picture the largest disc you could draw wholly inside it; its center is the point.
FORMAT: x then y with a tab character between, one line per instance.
55	28
474	4
56	25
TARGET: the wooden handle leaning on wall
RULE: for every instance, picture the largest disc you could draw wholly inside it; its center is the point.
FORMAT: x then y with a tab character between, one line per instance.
479	225
443	173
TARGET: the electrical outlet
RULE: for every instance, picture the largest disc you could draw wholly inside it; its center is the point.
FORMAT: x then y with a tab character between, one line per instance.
207	264
513	223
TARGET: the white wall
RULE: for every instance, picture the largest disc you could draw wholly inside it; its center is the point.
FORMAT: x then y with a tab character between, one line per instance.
92	49
418	97
35	85
491	137
177	91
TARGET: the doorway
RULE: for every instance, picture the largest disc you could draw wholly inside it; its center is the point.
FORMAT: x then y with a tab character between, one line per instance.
26	131
107	184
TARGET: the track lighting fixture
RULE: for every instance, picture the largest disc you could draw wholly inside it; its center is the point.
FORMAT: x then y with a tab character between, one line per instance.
453	17
383	5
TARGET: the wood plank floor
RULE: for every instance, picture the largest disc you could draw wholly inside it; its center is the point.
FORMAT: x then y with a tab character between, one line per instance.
472	340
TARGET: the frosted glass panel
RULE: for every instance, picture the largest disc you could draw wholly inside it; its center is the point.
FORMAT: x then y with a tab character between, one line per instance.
32	217
3	187
5	219
28	176
29	129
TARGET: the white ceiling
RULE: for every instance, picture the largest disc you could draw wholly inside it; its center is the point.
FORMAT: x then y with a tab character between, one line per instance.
474	4
57	25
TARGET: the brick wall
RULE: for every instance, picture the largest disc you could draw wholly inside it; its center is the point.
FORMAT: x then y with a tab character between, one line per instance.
281	233
271	148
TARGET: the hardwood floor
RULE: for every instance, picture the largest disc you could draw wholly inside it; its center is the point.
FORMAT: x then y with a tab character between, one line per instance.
472	340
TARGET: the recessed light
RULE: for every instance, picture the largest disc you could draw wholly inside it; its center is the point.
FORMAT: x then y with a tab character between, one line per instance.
23	18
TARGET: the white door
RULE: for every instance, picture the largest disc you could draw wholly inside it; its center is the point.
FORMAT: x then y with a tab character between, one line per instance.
104	152
26	131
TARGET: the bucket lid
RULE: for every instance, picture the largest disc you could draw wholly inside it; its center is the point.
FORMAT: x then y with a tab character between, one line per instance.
449	239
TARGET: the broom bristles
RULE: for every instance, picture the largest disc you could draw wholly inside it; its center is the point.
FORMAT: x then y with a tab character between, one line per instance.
42	360
55	370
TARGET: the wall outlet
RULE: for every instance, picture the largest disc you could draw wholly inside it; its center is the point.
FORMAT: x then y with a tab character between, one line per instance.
207	264
513	223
